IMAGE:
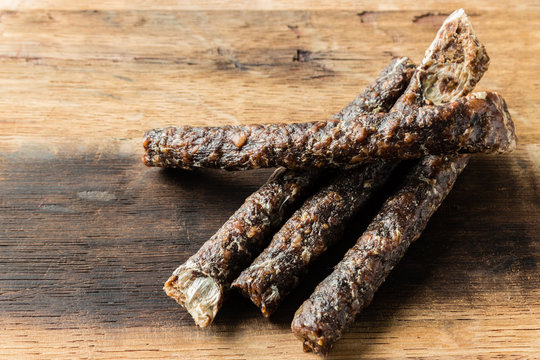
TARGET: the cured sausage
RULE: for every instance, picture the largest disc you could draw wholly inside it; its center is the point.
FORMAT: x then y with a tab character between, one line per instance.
477	123
381	95
281	265
453	64
336	301
201	283
317	225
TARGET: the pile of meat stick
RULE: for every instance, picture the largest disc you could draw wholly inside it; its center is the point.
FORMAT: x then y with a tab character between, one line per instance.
426	112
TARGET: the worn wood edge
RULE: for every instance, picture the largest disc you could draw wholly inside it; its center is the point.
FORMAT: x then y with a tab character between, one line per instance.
76	75
502	323
365	5
478	337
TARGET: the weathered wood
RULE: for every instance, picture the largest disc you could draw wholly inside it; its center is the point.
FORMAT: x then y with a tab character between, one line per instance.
86	244
91	75
394	5
88	235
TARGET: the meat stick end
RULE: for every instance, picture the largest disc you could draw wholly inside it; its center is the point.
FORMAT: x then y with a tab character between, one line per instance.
313	338
199	294
500	131
455	61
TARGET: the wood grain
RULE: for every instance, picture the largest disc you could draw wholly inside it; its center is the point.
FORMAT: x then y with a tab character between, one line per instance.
87	243
394	5
91	75
88	235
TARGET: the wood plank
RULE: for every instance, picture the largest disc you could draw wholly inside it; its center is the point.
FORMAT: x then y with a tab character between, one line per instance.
96	76
88	241
88	235
394	5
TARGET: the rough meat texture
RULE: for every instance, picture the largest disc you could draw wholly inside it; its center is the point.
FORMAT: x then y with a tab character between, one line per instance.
200	284
317	225
336	301
231	249
380	96
478	123
321	219
453	64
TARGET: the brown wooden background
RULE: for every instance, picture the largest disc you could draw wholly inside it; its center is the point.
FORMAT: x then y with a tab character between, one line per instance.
88	235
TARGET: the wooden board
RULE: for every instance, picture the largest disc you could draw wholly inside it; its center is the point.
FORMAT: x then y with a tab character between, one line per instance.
88	235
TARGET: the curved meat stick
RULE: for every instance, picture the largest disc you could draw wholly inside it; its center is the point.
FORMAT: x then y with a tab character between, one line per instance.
317	225
321	219
281	265
334	304
201	283
466	125
381	95
452	66
336	301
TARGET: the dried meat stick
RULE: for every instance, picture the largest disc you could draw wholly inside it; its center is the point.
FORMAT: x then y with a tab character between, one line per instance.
336	301
321	320
449	70
201	283
281	265
381	95
317	225
163	146
321	219
467	125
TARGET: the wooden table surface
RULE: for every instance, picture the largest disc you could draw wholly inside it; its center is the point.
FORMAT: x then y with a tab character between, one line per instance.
88	235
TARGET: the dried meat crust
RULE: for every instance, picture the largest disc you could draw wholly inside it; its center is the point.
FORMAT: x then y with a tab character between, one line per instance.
201	283
336	301
453	64
381	95
321	219
317	225
477	123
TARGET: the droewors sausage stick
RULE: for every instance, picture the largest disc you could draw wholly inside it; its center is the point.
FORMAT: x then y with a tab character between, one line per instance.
202	282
